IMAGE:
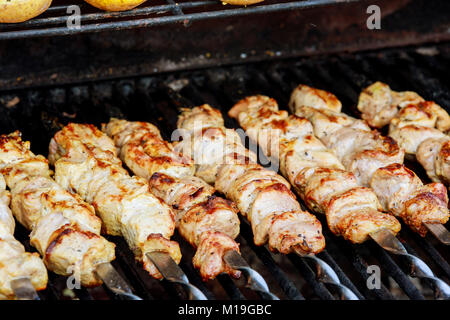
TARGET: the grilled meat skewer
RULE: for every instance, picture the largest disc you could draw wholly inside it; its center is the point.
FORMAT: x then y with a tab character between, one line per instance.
15	263
261	195
207	222
375	160
86	163
419	126
352	211
65	230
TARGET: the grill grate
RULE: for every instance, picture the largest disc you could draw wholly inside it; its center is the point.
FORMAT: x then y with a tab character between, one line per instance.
40	112
55	21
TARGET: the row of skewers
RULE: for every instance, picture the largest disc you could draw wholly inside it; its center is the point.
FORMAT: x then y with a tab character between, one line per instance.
337	164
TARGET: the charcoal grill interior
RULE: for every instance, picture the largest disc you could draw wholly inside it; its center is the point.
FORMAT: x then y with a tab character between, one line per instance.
40	112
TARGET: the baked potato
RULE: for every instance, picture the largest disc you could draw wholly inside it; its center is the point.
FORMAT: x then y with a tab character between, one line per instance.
13	11
115	5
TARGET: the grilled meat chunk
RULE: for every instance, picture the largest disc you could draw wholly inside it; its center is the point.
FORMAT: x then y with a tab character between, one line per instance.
144	151
402	193
379	104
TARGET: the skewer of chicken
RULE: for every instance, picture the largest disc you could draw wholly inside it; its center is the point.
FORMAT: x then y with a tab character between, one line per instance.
420	127
19	270
207	222
85	162
65	229
311	167
352	211
262	196
375	160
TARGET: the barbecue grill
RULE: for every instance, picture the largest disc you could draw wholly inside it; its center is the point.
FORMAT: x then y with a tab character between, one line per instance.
39	98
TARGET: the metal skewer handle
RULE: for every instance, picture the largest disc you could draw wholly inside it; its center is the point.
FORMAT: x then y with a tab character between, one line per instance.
439	231
23	289
386	239
254	280
172	272
327	275
112	279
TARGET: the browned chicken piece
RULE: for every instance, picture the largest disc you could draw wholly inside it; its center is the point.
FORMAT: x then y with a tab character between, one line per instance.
415	123
319	99
402	193
180	193
209	255
442	163
412	121
260	194
315	172
211	147
379	104
15	263
422	114
89	134
204	116
207	222
411	137
361	150
144	151
65	230
420	129
370	156
88	166
434	156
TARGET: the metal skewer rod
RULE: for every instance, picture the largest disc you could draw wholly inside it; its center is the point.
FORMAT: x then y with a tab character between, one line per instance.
23	289
254	280
386	239
114	282
327	275
173	273
439	232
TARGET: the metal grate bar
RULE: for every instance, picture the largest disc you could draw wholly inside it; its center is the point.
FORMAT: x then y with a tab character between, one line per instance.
155	21
230	287
433	253
177	10
318	287
288	287
96	17
342	276
397	274
361	266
